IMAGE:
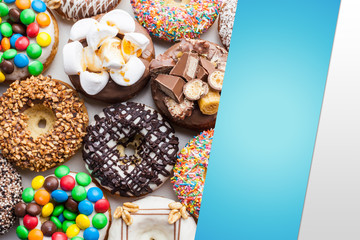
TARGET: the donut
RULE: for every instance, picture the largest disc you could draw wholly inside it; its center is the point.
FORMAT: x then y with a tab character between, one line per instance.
186	83
79	9
150	220
107	57
63	205
226	21
29	39
42	123
10	194
171	20
111	137
190	171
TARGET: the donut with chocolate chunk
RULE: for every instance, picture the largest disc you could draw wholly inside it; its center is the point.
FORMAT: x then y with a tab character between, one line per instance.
107	57
186	83
130	149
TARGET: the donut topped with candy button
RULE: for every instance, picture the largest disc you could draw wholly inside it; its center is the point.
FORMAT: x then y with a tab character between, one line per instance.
29	37
62	206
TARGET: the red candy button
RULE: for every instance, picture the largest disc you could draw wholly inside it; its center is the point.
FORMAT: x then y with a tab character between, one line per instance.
102	205
30	222
59	236
22	43
67	183
32	30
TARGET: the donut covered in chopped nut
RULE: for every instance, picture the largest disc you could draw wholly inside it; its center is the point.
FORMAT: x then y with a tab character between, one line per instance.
42	123
187	82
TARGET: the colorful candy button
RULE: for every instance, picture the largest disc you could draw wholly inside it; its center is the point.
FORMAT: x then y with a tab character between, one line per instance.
47	210
91	233
9	1
43	20
6	29
13	39
69	215
42	196
94	194
59	236
48	228
28	195
2	76
102	206
14	15
66	224
22	232
4	10
21	60
32	30
83	179
72	231
77	238
23	4
35	68
99	220
43	39
78	193
9	54
5	44
67	183
30	222
22	43
58	210
56	221
34	51
37	182
82	221
35	234
62	171
27	16
38	6
86	207
61	218
59	196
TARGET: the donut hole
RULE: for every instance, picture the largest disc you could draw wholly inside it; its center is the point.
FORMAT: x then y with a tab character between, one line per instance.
41	120
177	2
130	148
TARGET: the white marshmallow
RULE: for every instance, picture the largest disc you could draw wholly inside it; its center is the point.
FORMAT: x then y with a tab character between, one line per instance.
81	28
92	61
73	57
130	73
98	34
110	54
119	19
137	40
93	83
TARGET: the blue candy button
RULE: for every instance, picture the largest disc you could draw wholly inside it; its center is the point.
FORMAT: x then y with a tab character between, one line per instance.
94	194
86	207
59	196
14	38
91	233
9	1
38	6
21	60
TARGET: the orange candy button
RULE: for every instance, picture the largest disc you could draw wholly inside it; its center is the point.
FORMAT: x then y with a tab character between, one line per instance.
35	234
42	197
5	44
43	19
23	4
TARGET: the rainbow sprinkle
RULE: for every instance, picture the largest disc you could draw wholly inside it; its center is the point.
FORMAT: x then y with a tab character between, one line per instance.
173	23
190	171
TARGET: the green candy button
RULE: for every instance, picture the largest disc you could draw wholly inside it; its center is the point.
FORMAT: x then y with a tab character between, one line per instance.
34	51
83	179
28	194
77	238
35	68
79	193
66	224
27	16
99	221
56	221
62	171
69	215
22	232
4	10
6	29
9	54
58	210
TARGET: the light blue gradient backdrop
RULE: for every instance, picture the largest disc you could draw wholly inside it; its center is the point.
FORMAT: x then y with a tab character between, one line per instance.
268	118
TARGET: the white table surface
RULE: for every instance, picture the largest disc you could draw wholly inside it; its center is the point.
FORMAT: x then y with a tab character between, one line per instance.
76	163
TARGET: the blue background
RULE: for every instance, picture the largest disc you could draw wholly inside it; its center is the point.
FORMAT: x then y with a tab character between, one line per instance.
268	118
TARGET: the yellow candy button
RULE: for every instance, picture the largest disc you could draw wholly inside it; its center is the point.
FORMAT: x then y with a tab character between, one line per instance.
72	231
82	221
37	182
2	77
43	39
47	210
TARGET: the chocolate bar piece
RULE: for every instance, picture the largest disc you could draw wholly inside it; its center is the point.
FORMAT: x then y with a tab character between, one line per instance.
201	73
186	67
209	66
171	86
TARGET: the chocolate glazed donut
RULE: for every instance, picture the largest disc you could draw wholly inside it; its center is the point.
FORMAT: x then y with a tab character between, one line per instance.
163	64
112	92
